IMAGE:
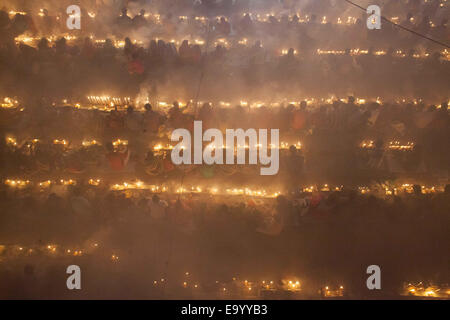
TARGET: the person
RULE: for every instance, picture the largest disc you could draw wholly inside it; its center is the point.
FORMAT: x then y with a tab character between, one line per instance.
157	207
129	49
132	120
152	165
185	51
299	117
175	114
294	164
124	21
246	24
151	119
117	160
140	20
223	27
115	121
135	66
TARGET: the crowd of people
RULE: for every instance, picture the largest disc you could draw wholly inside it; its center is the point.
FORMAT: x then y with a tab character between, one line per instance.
323	238
339	143
240	62
361	180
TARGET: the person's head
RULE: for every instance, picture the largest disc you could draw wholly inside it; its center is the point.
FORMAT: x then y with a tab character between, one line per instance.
292	149
303	105
176	105
206	107
148	107
272	19
142	12
155	198
351	99
447	189
417	189
124	11
43	44
108	43
130	109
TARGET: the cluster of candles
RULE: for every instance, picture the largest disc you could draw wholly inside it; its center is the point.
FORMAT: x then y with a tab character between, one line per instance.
283	146
30	40
259	17
108	103
214	190
242	102
293	284
405	188
107	100
397	53
227	43
12	141
266	17
245	286
253	104
160	147
421	290
9	103
367	144
392	145
330	292
396	145
139	185
51	249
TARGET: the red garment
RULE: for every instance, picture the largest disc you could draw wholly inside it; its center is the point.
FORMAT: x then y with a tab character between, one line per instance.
298	120
116	160
168	165
136	67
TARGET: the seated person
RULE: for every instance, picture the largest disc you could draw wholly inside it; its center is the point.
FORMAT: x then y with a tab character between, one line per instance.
117	160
